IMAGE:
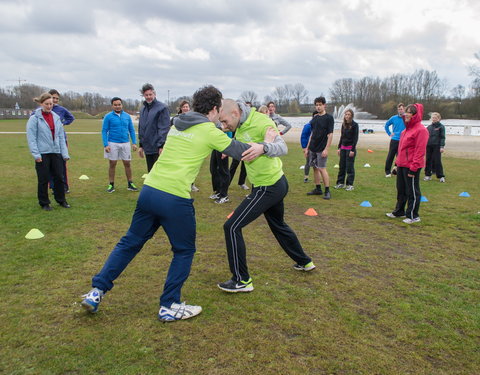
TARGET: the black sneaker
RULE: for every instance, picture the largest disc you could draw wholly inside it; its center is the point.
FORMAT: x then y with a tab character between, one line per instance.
232	286
315	192
131	186
47	207
327	195
64	204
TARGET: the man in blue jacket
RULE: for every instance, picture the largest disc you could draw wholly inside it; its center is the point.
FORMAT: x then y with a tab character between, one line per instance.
153	126
397	124
116	129
67	118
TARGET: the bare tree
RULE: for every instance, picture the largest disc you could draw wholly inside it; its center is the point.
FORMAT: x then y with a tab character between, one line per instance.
249	96
299	93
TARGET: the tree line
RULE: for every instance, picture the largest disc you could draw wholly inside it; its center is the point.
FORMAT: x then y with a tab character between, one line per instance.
378	96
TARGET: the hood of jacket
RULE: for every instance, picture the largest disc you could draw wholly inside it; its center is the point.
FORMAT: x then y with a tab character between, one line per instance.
189	119
416	118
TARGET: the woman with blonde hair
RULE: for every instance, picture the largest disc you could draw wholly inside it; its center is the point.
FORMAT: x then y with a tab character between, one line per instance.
46	141
435	148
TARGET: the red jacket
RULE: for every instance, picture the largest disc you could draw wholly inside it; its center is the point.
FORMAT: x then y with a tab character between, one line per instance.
413	143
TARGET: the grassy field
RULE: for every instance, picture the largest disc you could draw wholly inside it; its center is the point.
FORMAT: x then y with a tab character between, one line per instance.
386	298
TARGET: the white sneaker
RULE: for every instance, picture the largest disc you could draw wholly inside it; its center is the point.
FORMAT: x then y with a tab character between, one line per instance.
427	178
244	187
339	186
349	188
222	200
411	221
391	215
194	188
178	311
388	175
214	196
442	179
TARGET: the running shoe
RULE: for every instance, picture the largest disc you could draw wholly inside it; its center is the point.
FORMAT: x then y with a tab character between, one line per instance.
92	299
307	267
194	188
214	196
232	286
244	187
178	311
339	186
131	186
222	200
427	178
442	179
315	192
392	215
349	188
110	188
411	221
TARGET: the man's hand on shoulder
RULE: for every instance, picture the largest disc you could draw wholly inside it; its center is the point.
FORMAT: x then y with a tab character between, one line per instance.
253	152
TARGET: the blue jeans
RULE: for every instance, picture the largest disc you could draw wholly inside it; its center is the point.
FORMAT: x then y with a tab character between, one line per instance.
155	208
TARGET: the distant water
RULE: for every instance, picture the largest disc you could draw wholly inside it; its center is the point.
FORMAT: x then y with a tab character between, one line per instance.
456	127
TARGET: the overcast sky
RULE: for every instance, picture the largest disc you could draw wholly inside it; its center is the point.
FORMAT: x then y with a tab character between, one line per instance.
113	47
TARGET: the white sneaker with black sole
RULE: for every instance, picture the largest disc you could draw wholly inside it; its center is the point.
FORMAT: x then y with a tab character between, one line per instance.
232	286
411	221
222	200
178	311
392	215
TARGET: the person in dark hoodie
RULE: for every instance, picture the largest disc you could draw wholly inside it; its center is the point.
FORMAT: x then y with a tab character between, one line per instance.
153	126
410	161
435	148
347	150
165	202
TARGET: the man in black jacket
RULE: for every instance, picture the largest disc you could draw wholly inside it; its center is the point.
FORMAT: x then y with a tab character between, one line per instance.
153	126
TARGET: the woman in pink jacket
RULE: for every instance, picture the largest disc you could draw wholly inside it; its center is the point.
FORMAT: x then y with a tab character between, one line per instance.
410	160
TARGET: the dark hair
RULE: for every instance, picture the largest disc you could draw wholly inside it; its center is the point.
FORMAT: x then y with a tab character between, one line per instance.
270	102
146	87
411	108
320	99
400	105
206	98
347	125
114	99
182	103
314	113
54	92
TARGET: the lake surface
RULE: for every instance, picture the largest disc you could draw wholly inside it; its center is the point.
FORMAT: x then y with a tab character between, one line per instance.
457	127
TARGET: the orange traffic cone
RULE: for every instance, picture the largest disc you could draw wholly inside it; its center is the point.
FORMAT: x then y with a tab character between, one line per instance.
311	212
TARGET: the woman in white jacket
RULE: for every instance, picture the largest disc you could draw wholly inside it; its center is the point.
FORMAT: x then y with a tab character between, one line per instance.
46	140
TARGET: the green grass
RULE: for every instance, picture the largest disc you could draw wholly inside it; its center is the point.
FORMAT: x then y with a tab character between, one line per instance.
386	298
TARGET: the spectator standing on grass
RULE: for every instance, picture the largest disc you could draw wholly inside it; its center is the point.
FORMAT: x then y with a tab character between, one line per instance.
347	150
165	202
277	119
66	118
116	130
397	124
153	126
304	138
410	161
318	145
270	187
46	141
435	148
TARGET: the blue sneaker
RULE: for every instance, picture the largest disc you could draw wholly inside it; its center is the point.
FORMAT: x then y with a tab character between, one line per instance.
178	311
92	299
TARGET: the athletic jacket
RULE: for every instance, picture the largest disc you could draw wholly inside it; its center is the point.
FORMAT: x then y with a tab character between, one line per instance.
397	126
436	133
305	136
153	126
413	143
117	128
279	120
349	137
39	136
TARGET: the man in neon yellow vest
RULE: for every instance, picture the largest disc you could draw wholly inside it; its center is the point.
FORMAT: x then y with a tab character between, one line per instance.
270	187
